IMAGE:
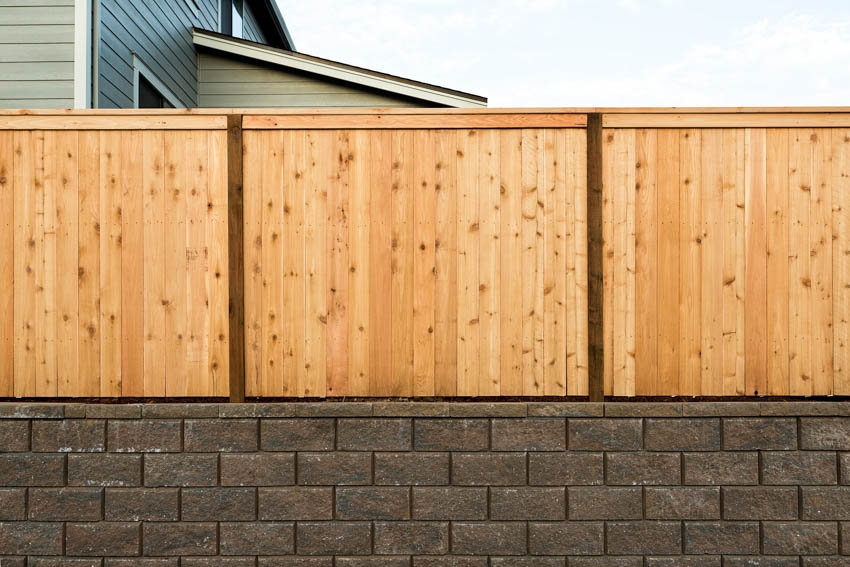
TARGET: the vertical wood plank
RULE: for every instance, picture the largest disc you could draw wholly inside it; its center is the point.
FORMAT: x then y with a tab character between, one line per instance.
67	262
539	314
608	252
380	260
630	265
89	272
197	293
820	243
401	381
46	170
271	347
690	273
468	262
319	146
489	270
7	264
840	185
559	266
132	266
360	328
218	267
577	195
424	263
711	259
294	268
253	165
799	282
729	160
740	260
624	257
176	325
668	261
755	205
338	264
25	264
531	280
445	257
777	219
510	250
153	182
110	263
646	267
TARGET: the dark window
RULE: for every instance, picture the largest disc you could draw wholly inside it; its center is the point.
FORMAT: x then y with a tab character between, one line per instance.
149	97
230	14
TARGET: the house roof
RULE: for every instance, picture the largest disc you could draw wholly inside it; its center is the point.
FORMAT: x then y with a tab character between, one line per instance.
335	70
277	24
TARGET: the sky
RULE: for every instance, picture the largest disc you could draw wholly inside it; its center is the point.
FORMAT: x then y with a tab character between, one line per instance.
594	52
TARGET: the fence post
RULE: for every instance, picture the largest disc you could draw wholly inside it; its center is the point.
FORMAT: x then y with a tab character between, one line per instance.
236	261
596	386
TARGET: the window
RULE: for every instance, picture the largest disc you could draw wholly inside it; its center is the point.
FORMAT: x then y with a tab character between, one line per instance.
236	21
230	17
149	91
149	97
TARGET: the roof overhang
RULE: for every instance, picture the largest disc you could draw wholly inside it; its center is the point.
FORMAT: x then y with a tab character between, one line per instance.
334	70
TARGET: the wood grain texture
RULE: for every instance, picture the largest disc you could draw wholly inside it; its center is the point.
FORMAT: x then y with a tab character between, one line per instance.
778	217
668	293
406	121
750	240
424	263
646	263
445	259
132	267
7	264
840	187
510	249
755	289
359	249
400	382
468	329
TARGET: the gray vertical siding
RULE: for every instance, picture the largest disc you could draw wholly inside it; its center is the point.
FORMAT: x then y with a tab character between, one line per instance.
159	32
36	53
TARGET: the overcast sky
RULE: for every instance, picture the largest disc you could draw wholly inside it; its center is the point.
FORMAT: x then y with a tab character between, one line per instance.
594	52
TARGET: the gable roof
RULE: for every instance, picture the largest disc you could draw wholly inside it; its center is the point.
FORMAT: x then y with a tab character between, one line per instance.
335	70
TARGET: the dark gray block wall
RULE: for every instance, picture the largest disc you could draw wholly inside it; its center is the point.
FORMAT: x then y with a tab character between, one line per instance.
425	484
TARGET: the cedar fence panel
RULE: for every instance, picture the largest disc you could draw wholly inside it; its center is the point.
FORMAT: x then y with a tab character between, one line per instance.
726	249
113	256
397	260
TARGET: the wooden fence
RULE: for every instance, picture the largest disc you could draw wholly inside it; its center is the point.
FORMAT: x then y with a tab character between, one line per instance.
415	262
727	254
113	256
533	252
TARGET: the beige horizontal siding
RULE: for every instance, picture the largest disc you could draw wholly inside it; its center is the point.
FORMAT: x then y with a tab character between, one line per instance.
239	83
36	53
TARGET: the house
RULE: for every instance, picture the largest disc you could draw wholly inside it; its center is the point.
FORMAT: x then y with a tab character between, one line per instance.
181	53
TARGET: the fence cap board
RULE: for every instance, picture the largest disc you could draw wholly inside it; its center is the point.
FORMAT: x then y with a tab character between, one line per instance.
727	120
391	121
112	122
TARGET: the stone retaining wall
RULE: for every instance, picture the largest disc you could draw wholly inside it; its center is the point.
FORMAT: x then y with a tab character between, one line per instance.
425	484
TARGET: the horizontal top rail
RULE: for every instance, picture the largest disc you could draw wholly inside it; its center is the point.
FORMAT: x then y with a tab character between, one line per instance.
112	122
402	111
728	120
392	121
